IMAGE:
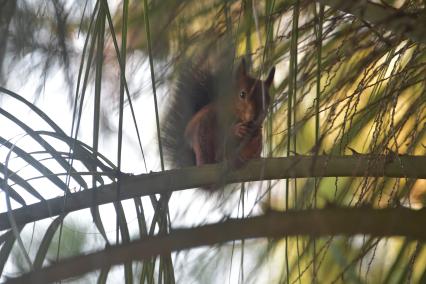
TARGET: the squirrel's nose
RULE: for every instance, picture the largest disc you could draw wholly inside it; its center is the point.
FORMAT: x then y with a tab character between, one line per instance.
249	113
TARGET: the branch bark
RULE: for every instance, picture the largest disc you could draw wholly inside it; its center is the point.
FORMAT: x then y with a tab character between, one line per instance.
409	24
403	166
317	222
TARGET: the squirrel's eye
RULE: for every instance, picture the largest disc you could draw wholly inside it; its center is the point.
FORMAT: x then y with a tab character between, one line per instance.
243	94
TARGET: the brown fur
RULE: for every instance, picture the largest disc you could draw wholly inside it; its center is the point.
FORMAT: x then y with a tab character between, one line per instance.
215	135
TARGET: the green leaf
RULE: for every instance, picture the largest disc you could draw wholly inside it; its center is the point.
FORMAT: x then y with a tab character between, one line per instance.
8	241
46	242
103	275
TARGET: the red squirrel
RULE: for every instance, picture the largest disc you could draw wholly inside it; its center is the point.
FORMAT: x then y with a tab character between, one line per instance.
216	117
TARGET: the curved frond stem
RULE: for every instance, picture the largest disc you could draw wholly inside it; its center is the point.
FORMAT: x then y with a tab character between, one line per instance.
380	223
270	168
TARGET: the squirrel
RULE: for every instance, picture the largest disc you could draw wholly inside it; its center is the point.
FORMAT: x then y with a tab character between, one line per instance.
216	116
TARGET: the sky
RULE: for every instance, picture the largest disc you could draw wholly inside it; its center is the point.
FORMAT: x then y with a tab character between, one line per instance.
187	208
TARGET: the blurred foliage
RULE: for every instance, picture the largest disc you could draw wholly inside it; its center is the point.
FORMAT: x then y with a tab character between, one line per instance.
371	88
45	250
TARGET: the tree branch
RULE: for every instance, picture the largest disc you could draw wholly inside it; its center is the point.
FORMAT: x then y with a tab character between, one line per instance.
412	25
262	169
317	222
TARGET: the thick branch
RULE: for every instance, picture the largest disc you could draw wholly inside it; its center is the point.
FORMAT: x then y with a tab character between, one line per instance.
262	169
319	222
397	21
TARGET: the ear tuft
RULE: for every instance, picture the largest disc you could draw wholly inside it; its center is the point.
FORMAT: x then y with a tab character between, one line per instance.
270	77
242	69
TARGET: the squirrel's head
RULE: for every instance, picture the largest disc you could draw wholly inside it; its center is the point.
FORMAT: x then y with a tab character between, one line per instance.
252	99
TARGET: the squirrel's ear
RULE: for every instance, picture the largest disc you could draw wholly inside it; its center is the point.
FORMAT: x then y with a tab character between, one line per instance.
270	78
242	69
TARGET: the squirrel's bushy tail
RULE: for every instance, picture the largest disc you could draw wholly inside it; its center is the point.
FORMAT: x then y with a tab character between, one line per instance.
193	90
199	81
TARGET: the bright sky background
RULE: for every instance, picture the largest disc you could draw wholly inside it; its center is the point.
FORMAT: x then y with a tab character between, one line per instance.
187	207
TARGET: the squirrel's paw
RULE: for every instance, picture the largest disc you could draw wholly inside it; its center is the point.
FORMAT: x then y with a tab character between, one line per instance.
241	130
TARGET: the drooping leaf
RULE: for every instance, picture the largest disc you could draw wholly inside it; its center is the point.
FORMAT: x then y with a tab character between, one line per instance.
46	241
